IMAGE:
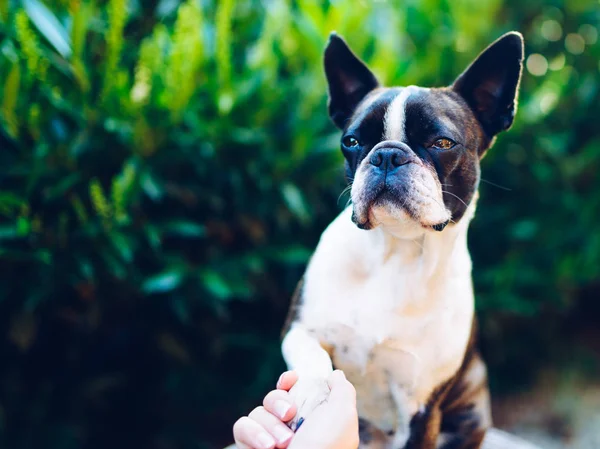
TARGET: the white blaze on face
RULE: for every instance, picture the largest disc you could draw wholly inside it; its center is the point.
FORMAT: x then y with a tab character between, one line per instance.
395	116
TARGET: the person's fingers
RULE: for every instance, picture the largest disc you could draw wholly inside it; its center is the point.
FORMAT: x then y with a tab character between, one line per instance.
341	388
279	403
273	425
248	434
287	380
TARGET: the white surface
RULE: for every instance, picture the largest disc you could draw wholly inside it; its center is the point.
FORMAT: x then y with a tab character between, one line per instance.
494	439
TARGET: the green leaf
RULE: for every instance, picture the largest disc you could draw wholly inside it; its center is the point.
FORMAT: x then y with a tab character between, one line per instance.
166	8
63	186
163	282
223	34
295	202
8	232
9	102
123	246
114	265
79	27
183	228
122	187
23	226
292	254
10	203
3	18
153	237
86	269
524	229
43	256
47	24
151	187
216	284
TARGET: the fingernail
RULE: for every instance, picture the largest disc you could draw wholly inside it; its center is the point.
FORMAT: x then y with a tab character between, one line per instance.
265	440
281	408
279	381
282	434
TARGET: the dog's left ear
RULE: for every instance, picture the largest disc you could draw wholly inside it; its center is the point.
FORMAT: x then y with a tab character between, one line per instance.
349	80
490	84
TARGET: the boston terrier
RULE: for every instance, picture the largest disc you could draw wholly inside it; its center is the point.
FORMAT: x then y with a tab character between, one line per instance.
387	296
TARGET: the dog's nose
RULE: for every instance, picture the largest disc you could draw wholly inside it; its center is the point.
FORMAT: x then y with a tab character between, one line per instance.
389	158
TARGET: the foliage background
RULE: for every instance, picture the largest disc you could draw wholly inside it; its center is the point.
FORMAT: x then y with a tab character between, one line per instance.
167	167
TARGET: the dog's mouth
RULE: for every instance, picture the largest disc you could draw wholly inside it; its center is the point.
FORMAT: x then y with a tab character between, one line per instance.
399	204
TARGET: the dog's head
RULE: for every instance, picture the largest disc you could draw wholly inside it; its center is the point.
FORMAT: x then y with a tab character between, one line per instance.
412	153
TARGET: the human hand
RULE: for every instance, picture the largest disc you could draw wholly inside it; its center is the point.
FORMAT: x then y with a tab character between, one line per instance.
332	425
264	427
308	393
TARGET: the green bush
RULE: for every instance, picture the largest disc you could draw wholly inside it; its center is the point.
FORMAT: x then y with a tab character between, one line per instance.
167	167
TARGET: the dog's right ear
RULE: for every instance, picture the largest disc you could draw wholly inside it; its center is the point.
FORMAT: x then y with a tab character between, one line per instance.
349	80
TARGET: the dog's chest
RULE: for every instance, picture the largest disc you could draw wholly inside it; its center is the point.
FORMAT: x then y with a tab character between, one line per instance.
396	330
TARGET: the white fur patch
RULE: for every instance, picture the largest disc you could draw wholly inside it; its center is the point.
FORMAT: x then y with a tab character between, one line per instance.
394	120
397	313
303	353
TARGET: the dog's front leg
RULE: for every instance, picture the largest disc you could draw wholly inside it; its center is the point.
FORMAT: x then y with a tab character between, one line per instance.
303	353
466	409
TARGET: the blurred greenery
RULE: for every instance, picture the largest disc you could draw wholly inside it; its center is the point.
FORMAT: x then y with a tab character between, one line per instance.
167	167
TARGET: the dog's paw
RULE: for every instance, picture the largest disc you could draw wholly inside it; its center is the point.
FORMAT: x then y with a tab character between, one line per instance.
308	393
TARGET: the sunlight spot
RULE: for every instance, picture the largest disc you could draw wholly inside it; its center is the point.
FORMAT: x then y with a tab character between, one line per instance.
574	43
558	62
548	101
537	64
551	30
589	33
461	44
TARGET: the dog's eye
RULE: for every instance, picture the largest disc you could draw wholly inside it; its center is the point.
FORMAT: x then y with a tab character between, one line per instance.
443	144
349	142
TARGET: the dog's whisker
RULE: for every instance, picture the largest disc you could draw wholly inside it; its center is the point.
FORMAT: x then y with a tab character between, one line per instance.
455	196
346	190
496	185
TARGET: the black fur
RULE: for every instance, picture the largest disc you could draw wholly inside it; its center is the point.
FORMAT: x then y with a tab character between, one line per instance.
457	169
367	126
491	83
349	80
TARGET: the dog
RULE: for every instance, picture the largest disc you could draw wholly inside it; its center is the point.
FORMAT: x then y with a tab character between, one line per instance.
387	296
